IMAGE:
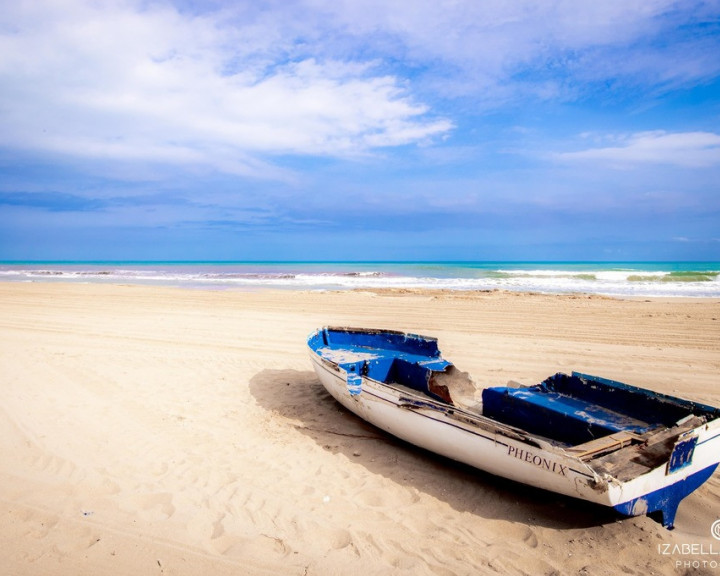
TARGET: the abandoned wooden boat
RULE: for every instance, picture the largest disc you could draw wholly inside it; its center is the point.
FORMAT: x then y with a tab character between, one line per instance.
636	450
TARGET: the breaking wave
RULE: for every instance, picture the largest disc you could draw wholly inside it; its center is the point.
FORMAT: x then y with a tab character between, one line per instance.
641	280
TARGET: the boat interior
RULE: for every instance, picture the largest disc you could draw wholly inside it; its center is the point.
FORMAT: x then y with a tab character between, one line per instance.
578	408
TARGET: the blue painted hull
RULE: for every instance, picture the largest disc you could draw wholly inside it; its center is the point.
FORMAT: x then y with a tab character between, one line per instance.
666	500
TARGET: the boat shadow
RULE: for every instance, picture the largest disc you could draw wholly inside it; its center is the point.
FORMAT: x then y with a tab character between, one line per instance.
298	397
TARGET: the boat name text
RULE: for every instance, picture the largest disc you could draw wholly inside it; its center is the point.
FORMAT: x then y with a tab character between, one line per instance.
537	460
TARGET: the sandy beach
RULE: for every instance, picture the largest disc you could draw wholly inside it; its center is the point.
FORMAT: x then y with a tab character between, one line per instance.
150	430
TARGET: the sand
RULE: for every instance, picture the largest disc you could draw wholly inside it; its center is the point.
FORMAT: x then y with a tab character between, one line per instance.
150	430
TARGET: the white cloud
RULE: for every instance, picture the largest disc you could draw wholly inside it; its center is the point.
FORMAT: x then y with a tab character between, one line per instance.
231	86
688	149
126	81
499	50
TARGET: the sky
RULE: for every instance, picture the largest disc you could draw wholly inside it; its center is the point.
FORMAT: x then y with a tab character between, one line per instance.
360	130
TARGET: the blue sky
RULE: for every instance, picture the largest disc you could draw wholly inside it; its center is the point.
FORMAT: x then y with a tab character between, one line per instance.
349	130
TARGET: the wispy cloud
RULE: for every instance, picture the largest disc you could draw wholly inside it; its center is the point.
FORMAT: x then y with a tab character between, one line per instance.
688	149
233	87
144	82
498	51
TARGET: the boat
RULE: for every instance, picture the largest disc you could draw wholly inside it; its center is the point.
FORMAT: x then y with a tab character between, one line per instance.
635	450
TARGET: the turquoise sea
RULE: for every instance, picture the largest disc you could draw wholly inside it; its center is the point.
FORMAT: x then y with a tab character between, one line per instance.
659	279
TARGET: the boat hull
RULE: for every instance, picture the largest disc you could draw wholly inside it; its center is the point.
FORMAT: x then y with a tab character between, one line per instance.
486	445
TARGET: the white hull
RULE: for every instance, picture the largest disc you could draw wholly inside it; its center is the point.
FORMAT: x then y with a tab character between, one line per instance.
504	451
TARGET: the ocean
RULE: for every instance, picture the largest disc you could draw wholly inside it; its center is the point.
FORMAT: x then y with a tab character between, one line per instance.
652	279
